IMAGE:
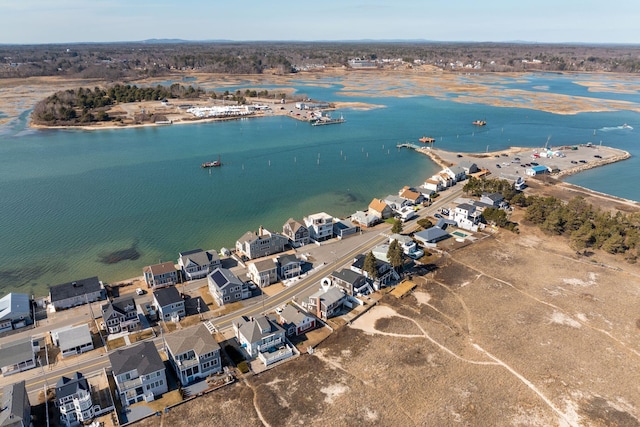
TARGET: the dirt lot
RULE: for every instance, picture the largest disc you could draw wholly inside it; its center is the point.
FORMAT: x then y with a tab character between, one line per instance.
514	329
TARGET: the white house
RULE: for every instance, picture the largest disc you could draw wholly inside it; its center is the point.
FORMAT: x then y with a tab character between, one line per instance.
320	226
466	216
262	337
263	272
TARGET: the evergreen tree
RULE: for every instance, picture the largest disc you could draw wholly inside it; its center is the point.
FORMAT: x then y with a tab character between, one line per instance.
397	227
370	266
395	255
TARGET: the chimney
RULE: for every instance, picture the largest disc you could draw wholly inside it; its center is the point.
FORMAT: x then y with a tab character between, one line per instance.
260	231
319	308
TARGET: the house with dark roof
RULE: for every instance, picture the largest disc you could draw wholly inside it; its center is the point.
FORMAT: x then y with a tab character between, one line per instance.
226	287
15	311
17	356
351	282
396	202
16	408
326	302
120	315
254	245
262	337
72	340
466	216
263	272
160	275
193	353
295	321
75	401
386	273
289	266
492	199
380	209
76	293
139	373
297	233
169	303
196	264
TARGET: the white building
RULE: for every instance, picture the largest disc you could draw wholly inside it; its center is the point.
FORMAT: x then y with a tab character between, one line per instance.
320	226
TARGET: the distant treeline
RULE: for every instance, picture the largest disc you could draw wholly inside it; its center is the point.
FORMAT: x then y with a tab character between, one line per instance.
585	226
127	61
84	105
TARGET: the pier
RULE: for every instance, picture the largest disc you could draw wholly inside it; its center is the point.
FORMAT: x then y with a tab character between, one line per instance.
408	145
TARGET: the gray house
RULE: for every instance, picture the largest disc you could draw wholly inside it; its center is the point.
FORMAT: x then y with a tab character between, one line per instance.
15	311
169	303
197	263
193	353
492	199
350	281
226	287
139	373
326	302
289	266
431	235
297	232
120	315
264	243
73	398
16	408
262	337
76	293
17	356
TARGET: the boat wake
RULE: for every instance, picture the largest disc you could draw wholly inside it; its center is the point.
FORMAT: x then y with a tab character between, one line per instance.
621	127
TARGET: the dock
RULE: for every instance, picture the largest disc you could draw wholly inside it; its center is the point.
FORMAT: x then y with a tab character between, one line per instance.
408	145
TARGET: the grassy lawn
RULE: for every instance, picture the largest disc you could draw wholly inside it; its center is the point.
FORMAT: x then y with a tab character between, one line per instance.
189	321
167	399
207	298
115	343
142	335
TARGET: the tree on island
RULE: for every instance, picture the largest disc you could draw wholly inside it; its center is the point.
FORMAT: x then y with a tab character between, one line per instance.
395	255
397	227
371	265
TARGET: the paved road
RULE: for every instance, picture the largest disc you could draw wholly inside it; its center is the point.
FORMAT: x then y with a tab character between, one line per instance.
335	255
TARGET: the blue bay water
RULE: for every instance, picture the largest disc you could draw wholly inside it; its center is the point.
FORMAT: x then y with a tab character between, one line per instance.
69	197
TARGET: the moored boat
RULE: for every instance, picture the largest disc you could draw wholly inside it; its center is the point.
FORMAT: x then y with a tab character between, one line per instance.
427	140
212	164
480	122
327	120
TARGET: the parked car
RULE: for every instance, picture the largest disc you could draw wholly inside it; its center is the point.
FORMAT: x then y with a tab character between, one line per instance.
582	161
574	162
516	158
498	166
598	156
139	291
458	155
438	216
534	164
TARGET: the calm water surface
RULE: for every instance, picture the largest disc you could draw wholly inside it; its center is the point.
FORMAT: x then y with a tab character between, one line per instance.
71	197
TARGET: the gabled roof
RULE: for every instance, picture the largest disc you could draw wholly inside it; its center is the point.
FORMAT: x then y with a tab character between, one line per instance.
400	238
344	224
359	262
494	197
295	225
223	277
410	194
159	269
196	338
287	259
457	170
69	386
255	329
14	401
166	296
291	314
14	306
467	207
329	296
264	265
143	357
117	306
74	289
199	257
347	275
378	205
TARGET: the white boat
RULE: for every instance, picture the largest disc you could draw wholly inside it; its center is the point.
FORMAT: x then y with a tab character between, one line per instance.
626	126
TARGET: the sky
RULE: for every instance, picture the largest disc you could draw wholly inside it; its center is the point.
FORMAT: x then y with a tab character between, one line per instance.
545	21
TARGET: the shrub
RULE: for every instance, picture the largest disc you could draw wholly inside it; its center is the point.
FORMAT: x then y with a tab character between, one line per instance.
243	367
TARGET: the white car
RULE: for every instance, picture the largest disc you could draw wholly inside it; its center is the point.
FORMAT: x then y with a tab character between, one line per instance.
139	291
